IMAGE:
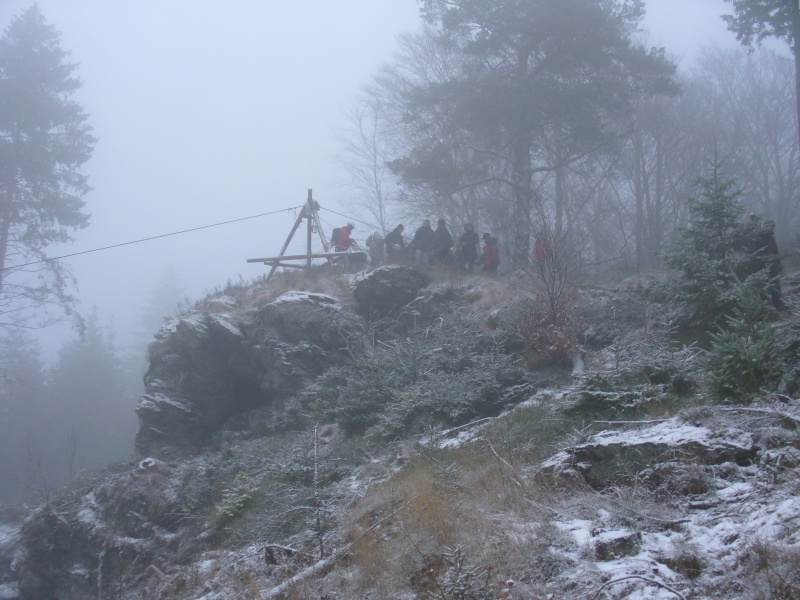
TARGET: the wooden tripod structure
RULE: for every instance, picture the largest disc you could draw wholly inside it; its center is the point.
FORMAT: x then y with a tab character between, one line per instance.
310	214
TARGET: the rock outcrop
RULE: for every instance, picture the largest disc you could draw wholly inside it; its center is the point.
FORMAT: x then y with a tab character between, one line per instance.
206	368
610	457
386	289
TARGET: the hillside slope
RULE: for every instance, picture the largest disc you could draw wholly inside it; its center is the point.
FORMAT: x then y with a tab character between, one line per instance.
400	435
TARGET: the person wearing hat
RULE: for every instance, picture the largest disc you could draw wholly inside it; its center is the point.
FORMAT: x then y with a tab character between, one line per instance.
442	242
343	241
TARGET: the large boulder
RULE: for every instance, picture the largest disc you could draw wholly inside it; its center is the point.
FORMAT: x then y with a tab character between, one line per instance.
386	289
612	456
106	532
207	368
201	372
296	338
425	309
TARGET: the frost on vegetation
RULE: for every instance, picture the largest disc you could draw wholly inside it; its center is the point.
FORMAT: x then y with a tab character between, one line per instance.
445	378
314	297
8	535
687	503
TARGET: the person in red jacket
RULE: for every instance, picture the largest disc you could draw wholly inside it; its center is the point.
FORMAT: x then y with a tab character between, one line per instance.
342	242
542	249
491	254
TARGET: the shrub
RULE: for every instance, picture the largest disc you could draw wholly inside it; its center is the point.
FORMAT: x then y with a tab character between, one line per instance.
354	396
714	253
463	581
648	377
491	381
545	339
748	356
775	570
447	375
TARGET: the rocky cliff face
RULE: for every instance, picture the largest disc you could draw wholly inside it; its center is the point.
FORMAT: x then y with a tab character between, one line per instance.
208	367
228	363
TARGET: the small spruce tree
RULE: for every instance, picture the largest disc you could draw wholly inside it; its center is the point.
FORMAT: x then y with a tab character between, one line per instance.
713	254
748	357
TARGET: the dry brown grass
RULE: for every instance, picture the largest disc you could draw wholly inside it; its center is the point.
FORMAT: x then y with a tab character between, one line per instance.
470	498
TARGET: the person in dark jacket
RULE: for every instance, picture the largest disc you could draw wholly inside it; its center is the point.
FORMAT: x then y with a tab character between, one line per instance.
423	242
442	242
763	245
468	247
395	244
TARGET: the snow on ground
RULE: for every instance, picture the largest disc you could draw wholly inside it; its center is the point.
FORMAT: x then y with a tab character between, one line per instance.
8	534
296	296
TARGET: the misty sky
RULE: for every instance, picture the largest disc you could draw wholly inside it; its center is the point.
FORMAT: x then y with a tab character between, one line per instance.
211	111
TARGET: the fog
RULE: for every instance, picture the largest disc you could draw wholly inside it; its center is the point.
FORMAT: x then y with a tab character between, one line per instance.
204	113
207	112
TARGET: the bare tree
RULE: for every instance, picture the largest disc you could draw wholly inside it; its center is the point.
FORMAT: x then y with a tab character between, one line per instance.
366	149
69	450
558	260
753	96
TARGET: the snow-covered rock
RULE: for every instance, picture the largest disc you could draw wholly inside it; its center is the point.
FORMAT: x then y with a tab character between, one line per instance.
207	368
611	456
386	289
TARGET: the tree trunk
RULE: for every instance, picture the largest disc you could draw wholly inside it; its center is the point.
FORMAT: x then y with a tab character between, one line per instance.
561	199
795	8
638	192
6	215
523	195
657	218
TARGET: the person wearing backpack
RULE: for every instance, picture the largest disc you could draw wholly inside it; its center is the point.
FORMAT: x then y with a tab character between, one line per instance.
340	238
342	241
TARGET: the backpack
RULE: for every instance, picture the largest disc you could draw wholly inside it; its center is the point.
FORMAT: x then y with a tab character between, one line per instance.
335	237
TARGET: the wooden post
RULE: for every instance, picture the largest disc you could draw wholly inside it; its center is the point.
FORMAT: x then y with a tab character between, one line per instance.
285	246
309	211
309	216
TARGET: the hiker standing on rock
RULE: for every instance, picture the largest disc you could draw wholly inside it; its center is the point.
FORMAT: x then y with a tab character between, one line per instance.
395	244
468	248
423	242
442	242
342	242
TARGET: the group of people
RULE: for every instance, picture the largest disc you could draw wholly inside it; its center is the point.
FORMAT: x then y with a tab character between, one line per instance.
437	247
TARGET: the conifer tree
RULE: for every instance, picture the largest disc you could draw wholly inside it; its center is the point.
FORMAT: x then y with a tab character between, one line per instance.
44	140
713	254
